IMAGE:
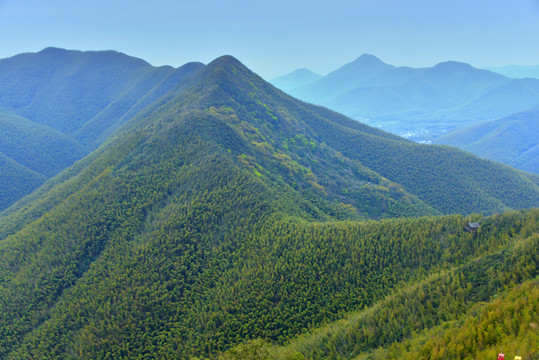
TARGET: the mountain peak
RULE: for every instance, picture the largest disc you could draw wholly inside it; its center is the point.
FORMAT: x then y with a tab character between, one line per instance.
228	72
227	65
303	71
366	62
453	65
55	50
369	59
295	79
354	73
227	61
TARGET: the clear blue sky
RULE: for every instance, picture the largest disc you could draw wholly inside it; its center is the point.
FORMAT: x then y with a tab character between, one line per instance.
275	37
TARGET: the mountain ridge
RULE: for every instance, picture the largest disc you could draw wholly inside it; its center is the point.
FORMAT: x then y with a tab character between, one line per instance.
227	210
80	95
430	100
511	140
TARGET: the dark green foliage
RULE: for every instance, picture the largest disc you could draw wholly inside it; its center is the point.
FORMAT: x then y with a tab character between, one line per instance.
260	350
441	298
222	214
37	147
17	180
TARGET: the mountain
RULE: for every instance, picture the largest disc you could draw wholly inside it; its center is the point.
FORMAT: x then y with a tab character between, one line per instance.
517	71
511	140
227	210
425	102
31	154
295	79
19	180
511	97
57	105
350	76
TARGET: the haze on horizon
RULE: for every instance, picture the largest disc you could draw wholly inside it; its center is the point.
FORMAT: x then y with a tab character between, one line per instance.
274	38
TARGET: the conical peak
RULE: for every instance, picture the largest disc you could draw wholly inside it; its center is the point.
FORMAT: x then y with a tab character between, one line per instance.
302	71
229	73
369	59
227	62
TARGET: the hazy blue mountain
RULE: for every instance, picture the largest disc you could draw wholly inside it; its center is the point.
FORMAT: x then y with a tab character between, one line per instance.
455	80
517	71
444	97
66	89
512	96
512	140
57	105
350	76
407	91
295	79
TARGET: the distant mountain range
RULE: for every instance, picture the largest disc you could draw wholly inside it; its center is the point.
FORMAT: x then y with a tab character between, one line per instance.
517	71
423	104
58	105
296	79
411	100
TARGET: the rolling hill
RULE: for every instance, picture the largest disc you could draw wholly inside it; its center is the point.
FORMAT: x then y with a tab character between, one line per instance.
512	140
227	210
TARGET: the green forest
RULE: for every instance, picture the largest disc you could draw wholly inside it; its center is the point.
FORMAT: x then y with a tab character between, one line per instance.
228	220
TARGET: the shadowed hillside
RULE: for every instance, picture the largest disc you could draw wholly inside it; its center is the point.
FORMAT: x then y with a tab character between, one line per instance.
57	105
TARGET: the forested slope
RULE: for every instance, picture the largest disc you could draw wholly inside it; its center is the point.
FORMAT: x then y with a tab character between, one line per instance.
446	179
507	323
19	180
223	213
58	105
511	140
442	299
